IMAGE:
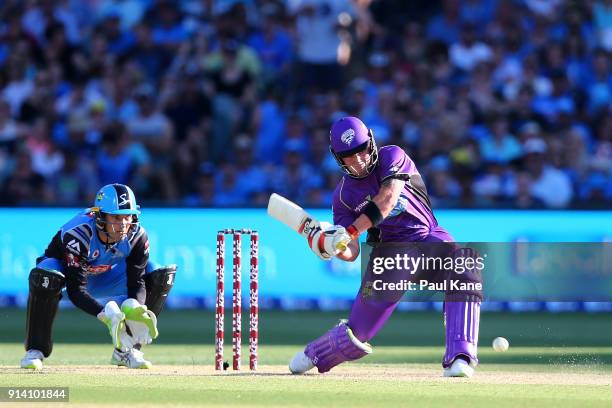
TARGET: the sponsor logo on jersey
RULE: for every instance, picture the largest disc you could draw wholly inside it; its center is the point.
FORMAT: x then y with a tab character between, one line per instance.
348	136
73	246
95	254
98	269
395	168
363	204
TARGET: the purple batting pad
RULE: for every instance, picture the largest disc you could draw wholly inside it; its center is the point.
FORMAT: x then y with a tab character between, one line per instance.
333	348
461	320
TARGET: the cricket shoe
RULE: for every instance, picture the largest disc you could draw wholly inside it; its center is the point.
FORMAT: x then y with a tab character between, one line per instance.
33	360
459	368
131	359
300	363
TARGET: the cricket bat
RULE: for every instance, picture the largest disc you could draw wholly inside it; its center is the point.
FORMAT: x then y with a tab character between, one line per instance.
294	216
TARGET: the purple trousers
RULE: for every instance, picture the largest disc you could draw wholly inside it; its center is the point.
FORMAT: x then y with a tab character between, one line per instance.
461	316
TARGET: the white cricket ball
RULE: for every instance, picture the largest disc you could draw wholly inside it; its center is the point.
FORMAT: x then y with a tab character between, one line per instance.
500	344
130	303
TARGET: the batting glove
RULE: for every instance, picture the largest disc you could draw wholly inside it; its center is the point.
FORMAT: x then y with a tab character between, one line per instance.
335	239
315	241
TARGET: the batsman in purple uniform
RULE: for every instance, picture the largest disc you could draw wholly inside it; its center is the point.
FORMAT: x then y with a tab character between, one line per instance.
382	193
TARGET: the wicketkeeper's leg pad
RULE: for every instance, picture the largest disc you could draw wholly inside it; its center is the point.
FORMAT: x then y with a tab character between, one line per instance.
43	301
335	347
158	284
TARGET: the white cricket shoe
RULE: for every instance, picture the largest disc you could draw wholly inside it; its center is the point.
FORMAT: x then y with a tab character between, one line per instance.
300	363
459	368
131	359
33	360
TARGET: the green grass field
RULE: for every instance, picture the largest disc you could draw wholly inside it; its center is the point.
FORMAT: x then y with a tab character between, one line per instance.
555	360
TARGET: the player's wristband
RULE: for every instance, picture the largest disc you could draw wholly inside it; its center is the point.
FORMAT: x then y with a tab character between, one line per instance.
352	231
372	211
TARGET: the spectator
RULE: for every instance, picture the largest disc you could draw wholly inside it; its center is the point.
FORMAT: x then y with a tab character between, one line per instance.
228	191
469	52
602	17
116	162
205	189
46	158
152	129
445	26
318	41
75	182
295	179
24	186
120	41
169	32
600	86
193	151
188	106
499	146
255	180
273	46
269	122
548	184
523	197
234	87
150	59
10	130
19	87
464	90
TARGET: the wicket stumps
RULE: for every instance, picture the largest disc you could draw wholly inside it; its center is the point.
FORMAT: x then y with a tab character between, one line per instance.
237	298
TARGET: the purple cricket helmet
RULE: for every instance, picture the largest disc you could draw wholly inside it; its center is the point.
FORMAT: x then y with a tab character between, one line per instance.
348	136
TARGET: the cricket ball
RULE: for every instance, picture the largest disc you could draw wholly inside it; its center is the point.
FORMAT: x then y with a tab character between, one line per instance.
500	344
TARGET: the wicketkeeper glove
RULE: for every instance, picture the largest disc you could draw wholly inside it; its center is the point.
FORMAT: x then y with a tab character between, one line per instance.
141	322
114	319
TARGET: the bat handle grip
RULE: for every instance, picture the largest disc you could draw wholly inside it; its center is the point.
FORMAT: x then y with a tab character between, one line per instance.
341	246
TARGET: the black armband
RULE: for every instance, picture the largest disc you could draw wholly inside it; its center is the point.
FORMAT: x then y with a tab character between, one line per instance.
372	211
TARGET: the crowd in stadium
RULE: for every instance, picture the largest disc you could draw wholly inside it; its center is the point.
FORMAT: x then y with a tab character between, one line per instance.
220	103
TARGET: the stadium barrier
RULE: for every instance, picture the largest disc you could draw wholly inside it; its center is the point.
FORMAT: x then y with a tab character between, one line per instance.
291	277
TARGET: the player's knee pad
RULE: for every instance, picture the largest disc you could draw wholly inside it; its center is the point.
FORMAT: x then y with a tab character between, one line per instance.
159	283
335	347
472	276
46	281
43	301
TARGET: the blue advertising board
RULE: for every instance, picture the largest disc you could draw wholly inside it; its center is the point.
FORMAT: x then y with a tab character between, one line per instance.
289	272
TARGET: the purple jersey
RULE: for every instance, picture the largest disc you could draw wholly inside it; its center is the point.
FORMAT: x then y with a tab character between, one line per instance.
411	219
